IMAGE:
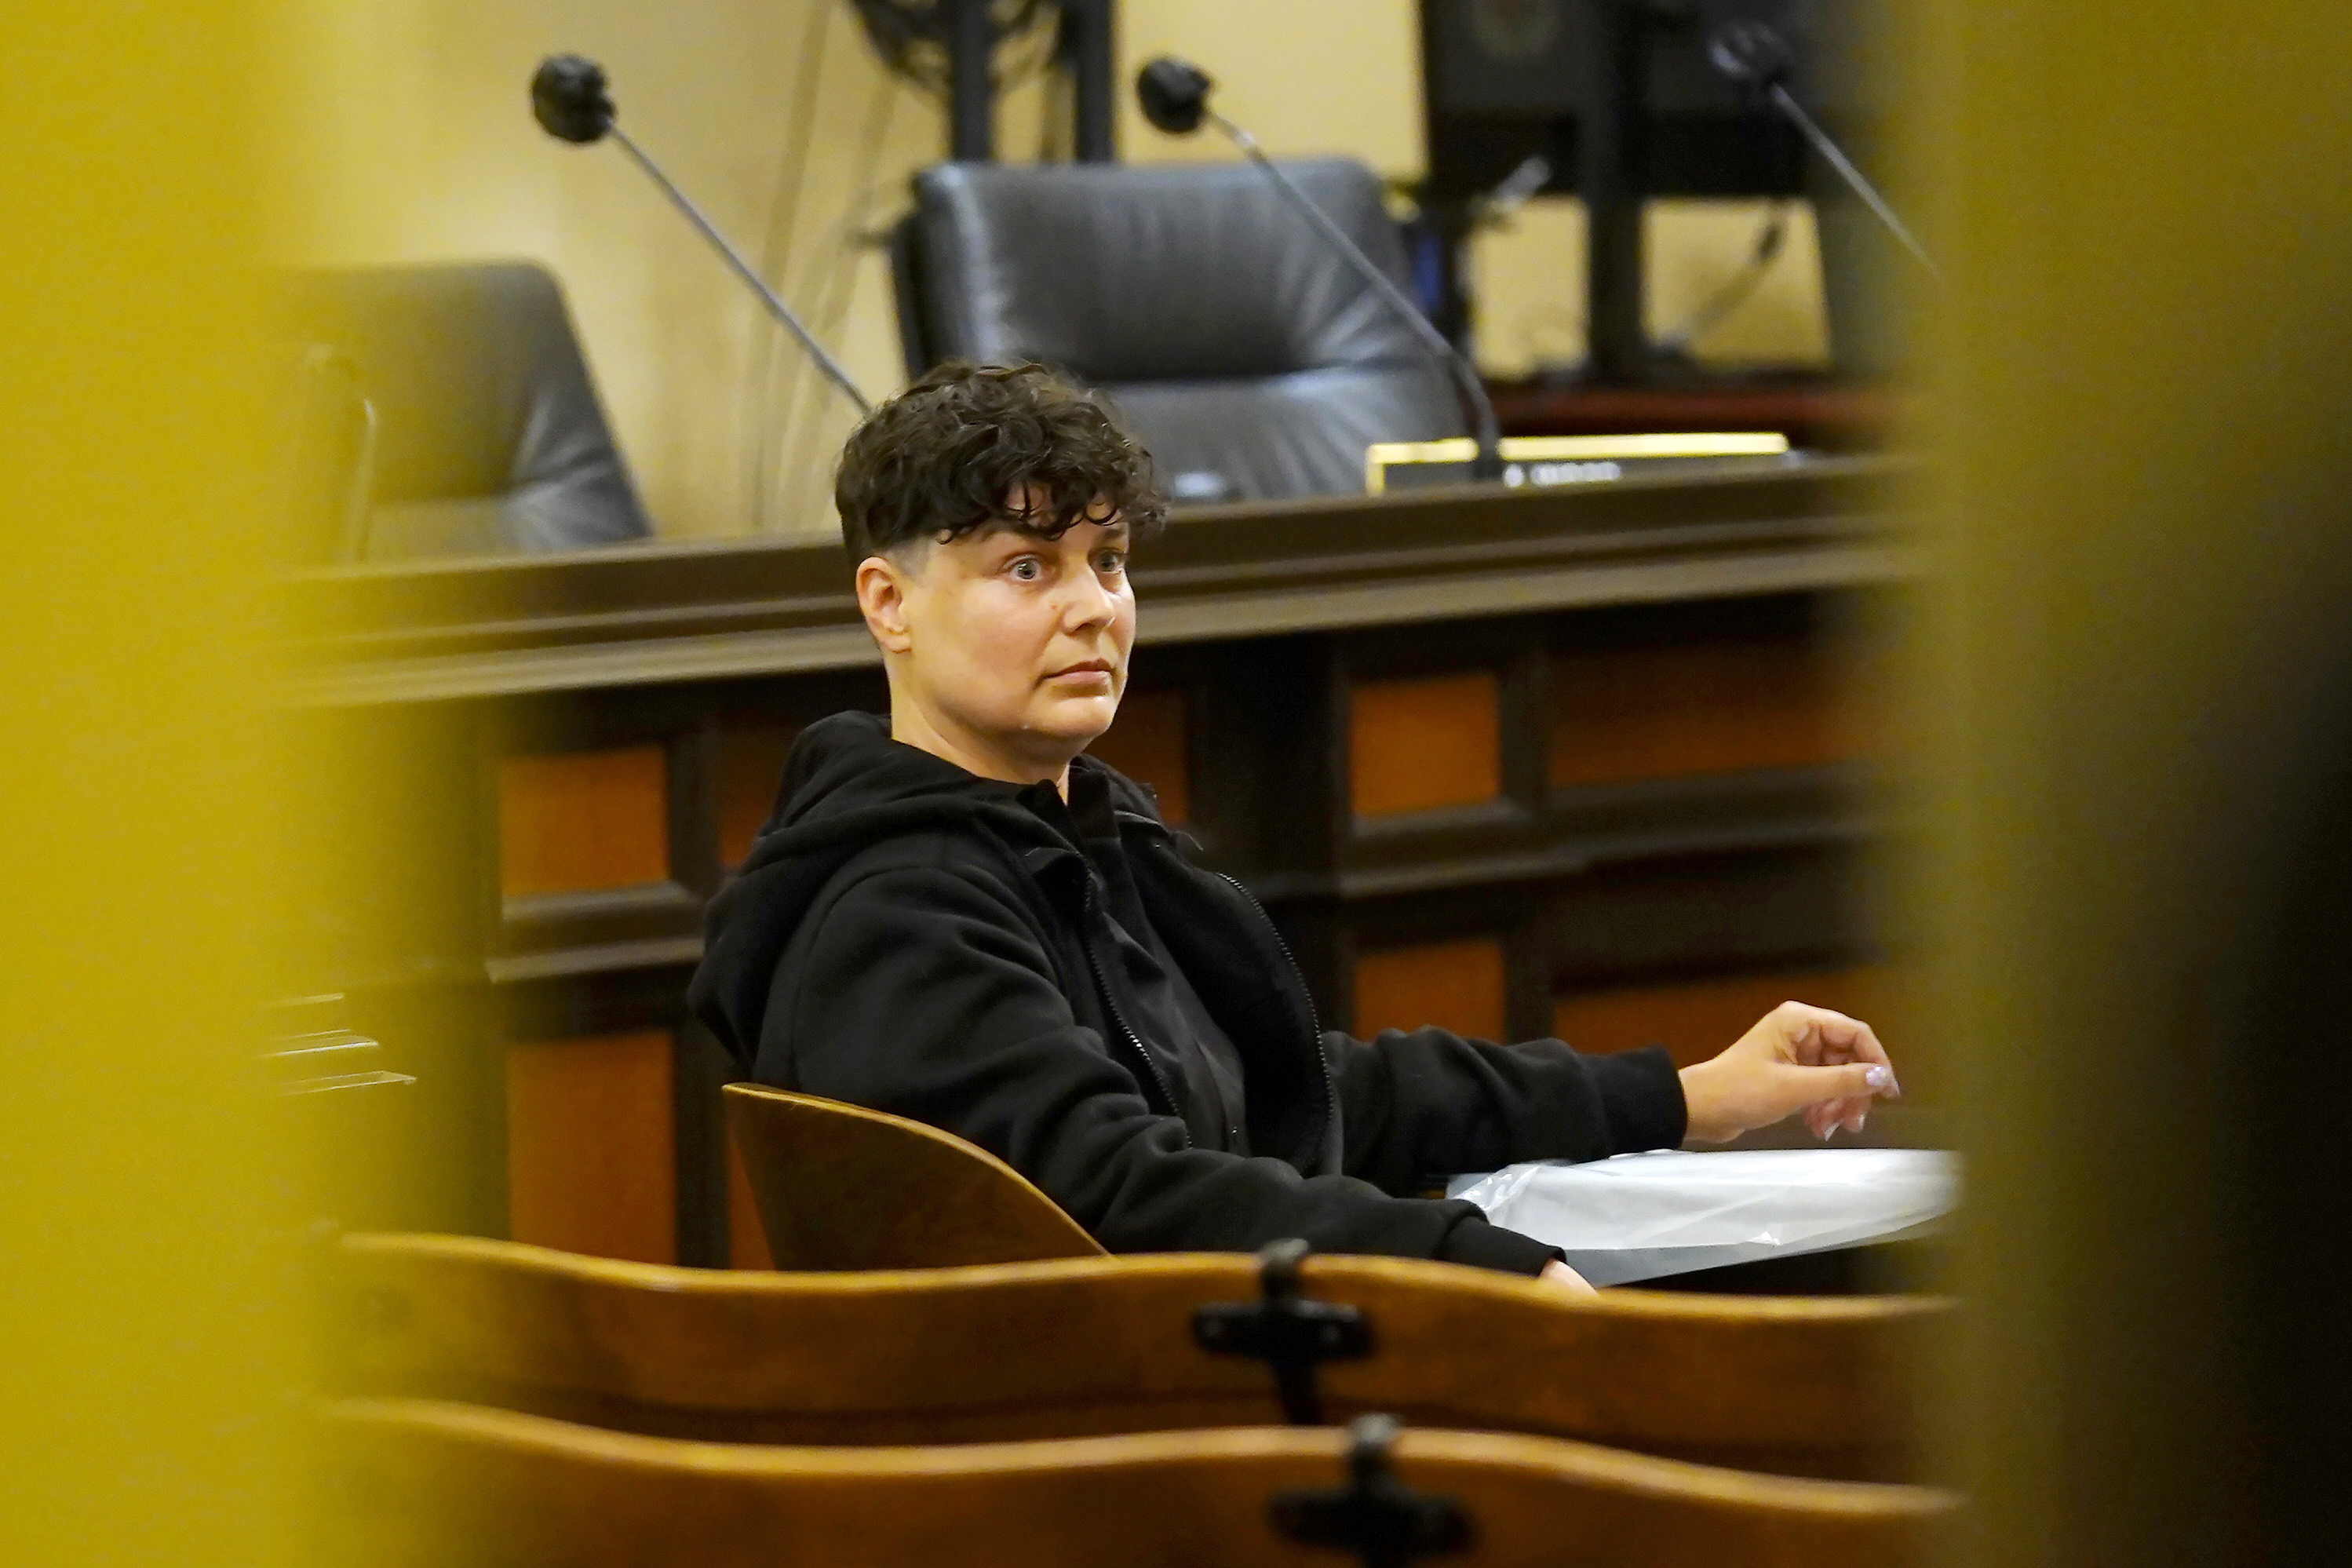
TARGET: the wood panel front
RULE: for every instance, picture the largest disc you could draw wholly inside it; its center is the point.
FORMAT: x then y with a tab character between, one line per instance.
750	765
1694	1019
1457	985
1625	715
592	1146
583	822
1149	744
1424	743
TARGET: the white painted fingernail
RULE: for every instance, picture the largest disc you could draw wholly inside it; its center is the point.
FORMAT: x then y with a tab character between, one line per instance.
1879	1078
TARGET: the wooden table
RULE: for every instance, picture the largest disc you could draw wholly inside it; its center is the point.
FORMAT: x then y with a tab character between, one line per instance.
1593	760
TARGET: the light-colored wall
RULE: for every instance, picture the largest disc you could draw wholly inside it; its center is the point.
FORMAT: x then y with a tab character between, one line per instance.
1529	278
1305	76
1344	76
422	148
434	155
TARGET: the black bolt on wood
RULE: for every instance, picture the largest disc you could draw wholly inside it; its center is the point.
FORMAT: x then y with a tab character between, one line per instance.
1286	1330
1384	1522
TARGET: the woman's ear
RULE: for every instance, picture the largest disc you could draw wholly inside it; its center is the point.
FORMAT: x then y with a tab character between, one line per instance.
882	599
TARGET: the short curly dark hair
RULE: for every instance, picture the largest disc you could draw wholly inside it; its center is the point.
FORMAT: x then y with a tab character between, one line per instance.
951	452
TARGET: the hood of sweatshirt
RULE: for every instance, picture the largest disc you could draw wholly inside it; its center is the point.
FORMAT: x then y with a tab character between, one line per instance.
847	786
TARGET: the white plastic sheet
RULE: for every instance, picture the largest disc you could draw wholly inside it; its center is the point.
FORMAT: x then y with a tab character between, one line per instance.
1643	1217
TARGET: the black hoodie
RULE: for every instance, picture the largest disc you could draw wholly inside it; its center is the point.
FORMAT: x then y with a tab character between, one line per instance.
911	938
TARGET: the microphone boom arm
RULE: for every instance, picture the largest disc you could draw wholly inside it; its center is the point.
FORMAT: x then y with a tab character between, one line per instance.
1786	102
1488	464
1755	56
776	306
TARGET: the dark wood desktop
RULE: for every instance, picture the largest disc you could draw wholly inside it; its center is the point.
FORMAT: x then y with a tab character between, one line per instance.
1813	411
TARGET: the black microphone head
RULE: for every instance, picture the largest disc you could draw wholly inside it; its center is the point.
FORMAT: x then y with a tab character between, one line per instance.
1750	53
1174	94
569	101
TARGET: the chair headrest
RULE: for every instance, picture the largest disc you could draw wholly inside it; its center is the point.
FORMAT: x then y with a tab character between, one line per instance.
1169	272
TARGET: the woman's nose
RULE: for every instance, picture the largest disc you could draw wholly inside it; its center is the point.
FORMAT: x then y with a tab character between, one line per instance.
1087	601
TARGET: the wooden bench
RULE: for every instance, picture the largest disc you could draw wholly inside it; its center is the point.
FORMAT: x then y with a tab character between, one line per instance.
1088	1346
429	1483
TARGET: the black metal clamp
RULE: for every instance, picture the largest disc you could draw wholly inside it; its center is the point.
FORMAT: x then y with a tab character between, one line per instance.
1286	1330
1375	1516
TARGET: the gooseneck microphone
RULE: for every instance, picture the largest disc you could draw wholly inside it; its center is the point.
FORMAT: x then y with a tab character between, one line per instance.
570	101
1174	95
1755	55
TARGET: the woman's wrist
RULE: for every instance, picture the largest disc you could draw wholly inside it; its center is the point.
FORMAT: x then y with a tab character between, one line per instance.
1702	1106
1561	1274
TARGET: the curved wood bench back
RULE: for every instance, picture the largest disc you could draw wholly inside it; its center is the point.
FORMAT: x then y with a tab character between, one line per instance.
840	1187
1821	1387
440	1484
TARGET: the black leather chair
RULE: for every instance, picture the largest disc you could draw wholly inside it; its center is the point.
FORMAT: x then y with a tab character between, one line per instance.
455	411
1250	360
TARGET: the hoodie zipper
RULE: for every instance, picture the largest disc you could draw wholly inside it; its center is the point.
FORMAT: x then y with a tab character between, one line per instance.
1134	1041
1314	1020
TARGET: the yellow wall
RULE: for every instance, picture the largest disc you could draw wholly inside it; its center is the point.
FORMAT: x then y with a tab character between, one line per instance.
426	151
1344	76
1305	76
434	155
1529	277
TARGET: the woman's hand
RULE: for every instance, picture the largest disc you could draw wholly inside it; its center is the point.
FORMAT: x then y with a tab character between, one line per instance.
1797	1058
1567	1278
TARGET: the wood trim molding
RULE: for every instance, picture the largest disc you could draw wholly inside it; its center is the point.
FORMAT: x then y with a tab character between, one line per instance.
648	615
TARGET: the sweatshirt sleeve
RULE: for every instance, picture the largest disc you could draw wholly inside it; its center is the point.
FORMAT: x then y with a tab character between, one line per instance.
1427	1104
925	993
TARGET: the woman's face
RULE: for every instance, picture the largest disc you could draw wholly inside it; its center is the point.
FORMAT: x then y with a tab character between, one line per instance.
1016	643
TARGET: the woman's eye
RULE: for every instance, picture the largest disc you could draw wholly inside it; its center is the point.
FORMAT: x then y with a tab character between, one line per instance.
1026	569
1110	560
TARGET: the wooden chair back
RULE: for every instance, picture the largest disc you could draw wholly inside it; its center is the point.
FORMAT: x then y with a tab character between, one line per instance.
426	1483
840	1187
1091	1346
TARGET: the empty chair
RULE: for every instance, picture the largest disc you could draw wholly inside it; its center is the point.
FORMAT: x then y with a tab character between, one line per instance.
422	1483
1099	1345
1250	360
476	428
838	1187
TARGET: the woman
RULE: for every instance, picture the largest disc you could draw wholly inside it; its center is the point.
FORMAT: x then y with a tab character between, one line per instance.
955	915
